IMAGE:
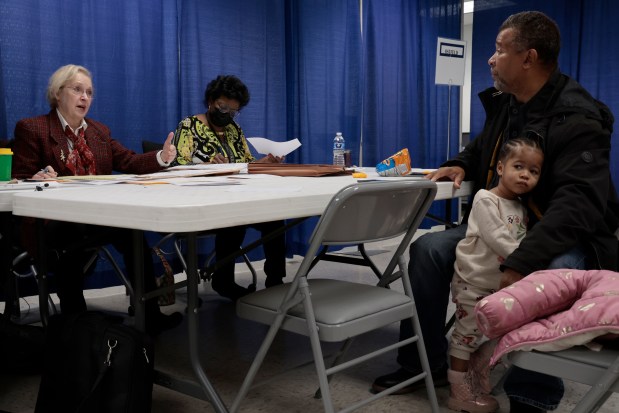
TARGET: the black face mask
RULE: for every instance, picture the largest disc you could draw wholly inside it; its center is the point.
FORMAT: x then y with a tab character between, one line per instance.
219	119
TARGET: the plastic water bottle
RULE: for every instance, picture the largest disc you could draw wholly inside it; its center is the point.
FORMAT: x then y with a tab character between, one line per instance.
338	150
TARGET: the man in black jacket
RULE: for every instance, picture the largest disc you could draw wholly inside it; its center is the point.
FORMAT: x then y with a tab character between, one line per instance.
574	210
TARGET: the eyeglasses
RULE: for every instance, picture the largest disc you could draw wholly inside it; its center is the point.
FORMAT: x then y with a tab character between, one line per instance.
223	108
79	91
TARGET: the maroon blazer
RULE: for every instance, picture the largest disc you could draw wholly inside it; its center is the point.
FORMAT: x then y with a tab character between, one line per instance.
40	141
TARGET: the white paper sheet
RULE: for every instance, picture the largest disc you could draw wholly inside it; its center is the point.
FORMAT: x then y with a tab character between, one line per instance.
202	181
183	173
264	189
6	186
267	146
215	167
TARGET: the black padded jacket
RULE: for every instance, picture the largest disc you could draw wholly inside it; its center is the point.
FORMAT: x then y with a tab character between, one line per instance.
575	201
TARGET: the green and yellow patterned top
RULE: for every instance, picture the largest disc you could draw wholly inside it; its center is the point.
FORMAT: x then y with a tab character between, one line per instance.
196	143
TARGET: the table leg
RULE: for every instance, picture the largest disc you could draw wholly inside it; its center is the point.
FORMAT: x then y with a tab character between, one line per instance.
138	282
192	324
7	280
42	275
203	389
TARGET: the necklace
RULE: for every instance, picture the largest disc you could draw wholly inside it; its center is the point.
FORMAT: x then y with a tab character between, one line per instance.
221	136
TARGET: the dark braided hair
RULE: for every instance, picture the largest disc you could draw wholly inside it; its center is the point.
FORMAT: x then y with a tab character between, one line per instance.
531	140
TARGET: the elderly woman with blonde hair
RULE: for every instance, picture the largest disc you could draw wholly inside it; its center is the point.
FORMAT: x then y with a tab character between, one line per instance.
66	142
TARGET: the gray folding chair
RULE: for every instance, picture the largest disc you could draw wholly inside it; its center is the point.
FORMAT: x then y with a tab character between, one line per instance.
598	369
24	266
333	310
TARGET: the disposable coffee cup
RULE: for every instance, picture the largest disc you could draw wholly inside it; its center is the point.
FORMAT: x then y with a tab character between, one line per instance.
6	161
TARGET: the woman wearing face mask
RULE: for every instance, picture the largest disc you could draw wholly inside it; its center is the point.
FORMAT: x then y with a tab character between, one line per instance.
214	137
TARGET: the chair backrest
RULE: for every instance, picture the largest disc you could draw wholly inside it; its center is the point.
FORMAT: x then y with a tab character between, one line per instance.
6	143
374	211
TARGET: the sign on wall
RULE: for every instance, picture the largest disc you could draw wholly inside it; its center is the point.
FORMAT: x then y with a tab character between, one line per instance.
450	57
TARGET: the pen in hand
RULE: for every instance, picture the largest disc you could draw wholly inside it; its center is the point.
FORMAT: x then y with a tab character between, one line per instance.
46	173
219	158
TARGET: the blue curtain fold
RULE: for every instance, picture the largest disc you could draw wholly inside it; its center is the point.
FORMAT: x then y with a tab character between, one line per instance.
244	38
403	107
588	34
128	46
596	62
324	65
324	87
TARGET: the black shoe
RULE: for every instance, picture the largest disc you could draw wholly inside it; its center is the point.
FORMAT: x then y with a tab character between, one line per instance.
518	407
273	281
439	377
230	290
160	322
21	347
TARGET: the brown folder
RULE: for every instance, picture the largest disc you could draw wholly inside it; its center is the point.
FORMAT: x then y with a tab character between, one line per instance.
291	169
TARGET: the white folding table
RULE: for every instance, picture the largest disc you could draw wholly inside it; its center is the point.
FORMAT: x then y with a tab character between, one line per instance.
188	210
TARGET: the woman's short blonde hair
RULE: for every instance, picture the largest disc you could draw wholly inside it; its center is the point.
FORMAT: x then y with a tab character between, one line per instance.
60	79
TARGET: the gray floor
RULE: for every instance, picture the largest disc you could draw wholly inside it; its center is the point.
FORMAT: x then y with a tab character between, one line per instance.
228	345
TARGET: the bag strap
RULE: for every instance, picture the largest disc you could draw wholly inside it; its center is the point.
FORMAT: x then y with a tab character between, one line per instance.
164	262
106	364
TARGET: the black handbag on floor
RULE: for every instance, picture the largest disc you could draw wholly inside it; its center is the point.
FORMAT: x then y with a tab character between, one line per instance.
21	347
95	364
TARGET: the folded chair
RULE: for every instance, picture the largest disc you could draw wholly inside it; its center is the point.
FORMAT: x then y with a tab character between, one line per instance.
24	266
598	369
333	310
205	270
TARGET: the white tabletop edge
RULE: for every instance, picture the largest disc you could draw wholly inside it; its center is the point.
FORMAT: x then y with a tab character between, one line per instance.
169	208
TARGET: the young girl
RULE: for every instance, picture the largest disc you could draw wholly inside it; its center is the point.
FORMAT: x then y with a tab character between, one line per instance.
496	226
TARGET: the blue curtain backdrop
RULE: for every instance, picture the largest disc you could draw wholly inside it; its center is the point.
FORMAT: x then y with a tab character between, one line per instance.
403	107
324	65
324	85
130	48
589	35
245	38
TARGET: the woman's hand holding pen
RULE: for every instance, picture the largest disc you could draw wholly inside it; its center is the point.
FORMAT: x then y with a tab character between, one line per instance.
219	158
46	173
271	159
